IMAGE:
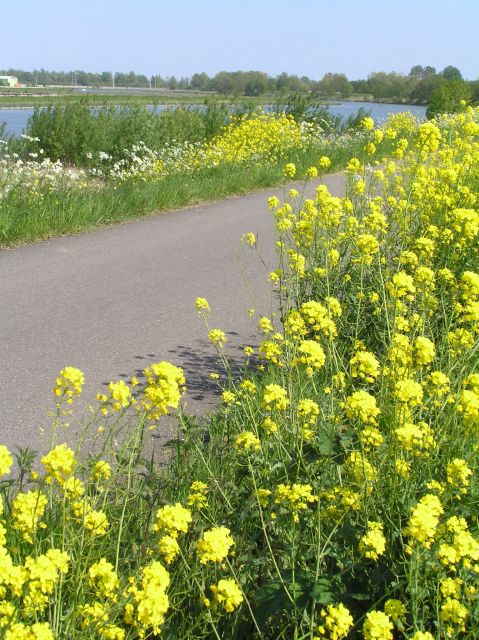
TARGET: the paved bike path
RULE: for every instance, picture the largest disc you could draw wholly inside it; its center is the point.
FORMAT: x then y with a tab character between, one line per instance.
114	300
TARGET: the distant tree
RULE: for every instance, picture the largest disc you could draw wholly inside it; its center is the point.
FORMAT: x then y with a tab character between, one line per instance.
256	83
333	84
451	74
200	81
450	98
474	90
172	83
424	89
419	72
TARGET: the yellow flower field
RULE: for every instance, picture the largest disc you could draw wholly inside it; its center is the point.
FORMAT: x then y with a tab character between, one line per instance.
334	494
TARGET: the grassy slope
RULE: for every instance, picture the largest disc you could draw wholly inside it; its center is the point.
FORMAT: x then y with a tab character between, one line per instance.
82	210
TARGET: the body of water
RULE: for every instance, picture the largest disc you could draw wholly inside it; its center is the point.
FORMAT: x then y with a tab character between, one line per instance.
16	119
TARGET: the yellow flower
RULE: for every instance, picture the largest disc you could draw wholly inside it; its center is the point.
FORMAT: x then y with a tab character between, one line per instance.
59	463
164	389
455	613
275	397
6	460
27	509
69	383
120	394
227	594
214	545
101	471
367	123
324	163
217	337
96	523
172	519
169	548
424	519
362	406
335	622
273	202
458	474
201	304
198	494
247	441
265	325
150	601
408	392
269	425
73	488
311	355
103	579
364	365
377	626
373	543
249	238
289	170
228	397
295	497
395	609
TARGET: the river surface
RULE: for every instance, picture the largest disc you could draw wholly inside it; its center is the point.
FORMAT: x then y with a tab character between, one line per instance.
16	119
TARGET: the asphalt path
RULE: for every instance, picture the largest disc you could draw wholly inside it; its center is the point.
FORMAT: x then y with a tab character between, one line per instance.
115	300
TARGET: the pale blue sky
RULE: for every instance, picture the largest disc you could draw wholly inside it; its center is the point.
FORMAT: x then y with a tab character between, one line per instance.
306	37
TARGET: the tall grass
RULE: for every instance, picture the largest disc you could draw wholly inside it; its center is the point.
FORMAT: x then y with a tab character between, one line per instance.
25	218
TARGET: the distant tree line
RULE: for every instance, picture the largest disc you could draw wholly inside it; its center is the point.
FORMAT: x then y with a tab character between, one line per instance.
417	86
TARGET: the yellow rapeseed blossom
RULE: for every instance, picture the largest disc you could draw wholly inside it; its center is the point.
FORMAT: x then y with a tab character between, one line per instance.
424	520
294	497
103	579
69	383
172	519
289	170
101	471
96	523
395	609
247	441
215	545
164	389
169	548
458	474
265	325
120	394
362	406
335	622
217	337
377	626
365	365
150	600
6	460
27	509
198	494
324	163
311	354
202	305
275	397
249	239
373	543
227	594
59	463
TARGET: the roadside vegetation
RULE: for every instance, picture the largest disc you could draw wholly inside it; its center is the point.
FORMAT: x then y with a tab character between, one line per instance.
334	493
78	168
